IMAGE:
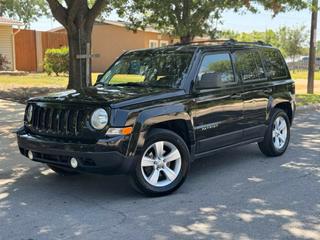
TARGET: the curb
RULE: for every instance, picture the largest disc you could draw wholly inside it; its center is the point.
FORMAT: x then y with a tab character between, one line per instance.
310	107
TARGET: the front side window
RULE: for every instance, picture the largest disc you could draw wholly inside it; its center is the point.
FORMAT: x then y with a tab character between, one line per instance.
159	68
217	66
248	65
274	63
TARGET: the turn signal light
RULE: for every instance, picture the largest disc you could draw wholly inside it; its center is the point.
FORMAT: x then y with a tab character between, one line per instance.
127	130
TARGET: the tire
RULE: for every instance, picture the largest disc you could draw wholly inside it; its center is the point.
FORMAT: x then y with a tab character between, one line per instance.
274	143
161	174
62	171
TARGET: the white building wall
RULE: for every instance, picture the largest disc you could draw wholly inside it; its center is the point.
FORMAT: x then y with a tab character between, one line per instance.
6	44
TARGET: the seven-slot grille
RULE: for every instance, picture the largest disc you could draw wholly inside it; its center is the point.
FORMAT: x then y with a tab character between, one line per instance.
53	121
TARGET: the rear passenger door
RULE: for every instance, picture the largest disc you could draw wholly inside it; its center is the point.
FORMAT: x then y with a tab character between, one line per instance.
256	92
218	110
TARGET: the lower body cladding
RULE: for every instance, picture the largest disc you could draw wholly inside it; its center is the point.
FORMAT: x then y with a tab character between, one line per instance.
106	156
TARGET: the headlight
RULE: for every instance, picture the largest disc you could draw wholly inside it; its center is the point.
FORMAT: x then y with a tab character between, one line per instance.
29	113
99	119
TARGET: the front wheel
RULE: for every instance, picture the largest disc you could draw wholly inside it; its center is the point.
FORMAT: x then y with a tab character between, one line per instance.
277	137
163	166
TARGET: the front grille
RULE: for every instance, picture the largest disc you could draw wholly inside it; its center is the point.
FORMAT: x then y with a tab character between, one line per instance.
66	121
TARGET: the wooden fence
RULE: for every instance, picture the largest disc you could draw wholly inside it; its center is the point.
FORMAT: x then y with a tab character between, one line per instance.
30	48
25	49
53	40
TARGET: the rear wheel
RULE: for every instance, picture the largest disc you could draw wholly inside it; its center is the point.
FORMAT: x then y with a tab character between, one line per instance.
163	166
62	171
277	137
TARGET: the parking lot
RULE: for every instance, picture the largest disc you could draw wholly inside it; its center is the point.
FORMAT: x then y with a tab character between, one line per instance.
235	194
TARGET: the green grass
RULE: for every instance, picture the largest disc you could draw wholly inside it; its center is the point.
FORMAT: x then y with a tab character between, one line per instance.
304	75
307	99
41	81
36	80
123	78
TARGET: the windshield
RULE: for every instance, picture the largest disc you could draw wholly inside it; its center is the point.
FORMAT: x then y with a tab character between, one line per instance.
158	68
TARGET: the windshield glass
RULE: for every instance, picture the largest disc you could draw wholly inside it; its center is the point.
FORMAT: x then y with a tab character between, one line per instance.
159	68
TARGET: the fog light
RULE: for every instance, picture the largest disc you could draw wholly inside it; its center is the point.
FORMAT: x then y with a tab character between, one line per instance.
74	163
30	155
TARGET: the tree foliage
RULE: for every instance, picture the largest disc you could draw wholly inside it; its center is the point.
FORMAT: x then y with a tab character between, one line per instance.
26	11
78	16
291	41
189	18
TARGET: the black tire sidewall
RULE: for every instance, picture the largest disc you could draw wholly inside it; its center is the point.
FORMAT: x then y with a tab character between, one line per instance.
155	136
275	115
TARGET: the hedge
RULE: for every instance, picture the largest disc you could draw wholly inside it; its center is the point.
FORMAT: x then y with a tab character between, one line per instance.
4	63
56	60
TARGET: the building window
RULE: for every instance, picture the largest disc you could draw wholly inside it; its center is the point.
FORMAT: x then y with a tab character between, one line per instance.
153	43
164	43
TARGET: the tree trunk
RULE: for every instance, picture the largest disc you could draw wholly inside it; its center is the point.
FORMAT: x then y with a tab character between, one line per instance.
78	40
313	42
78	20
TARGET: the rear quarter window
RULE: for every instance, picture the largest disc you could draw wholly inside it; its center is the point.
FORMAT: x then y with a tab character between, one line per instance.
248	65
274	63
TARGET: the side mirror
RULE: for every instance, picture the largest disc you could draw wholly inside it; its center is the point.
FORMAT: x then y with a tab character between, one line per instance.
99	77
209	80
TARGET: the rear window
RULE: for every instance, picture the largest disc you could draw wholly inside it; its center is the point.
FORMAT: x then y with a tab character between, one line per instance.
248	65
274	63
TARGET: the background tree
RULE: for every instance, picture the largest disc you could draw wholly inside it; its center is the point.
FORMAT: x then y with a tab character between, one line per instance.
77	16
291	41
189	18
269	36
26	11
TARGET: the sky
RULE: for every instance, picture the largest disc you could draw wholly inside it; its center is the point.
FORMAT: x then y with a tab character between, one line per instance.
232	21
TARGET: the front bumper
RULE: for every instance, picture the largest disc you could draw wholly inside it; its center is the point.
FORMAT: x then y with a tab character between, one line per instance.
106	156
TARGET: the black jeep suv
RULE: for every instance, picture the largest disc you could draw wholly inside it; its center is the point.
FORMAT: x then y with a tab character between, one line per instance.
154	111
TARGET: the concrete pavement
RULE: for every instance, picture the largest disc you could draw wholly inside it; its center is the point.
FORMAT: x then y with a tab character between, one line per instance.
236	194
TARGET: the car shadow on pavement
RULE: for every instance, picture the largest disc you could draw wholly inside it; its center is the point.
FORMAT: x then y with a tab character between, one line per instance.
235	194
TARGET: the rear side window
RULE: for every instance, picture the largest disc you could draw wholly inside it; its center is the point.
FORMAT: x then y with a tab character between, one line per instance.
274	63
218	64
248	65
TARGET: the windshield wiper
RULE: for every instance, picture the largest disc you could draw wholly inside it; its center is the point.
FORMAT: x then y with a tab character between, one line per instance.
129	84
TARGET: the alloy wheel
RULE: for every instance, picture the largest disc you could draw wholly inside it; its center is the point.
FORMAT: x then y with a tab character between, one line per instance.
279	133
161	164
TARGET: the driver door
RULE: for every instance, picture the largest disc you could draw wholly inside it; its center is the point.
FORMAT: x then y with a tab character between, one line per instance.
219	110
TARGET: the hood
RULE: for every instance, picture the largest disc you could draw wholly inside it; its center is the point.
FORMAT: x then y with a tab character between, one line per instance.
115	96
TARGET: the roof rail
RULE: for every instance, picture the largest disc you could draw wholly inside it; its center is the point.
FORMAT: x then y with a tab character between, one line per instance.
224	42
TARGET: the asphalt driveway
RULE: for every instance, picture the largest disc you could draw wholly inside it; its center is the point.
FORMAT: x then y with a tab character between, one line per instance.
236	194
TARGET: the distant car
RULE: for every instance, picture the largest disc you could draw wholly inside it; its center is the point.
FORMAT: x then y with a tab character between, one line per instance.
155	111
306	60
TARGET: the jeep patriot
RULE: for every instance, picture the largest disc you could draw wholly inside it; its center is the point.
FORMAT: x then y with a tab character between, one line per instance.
154	111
